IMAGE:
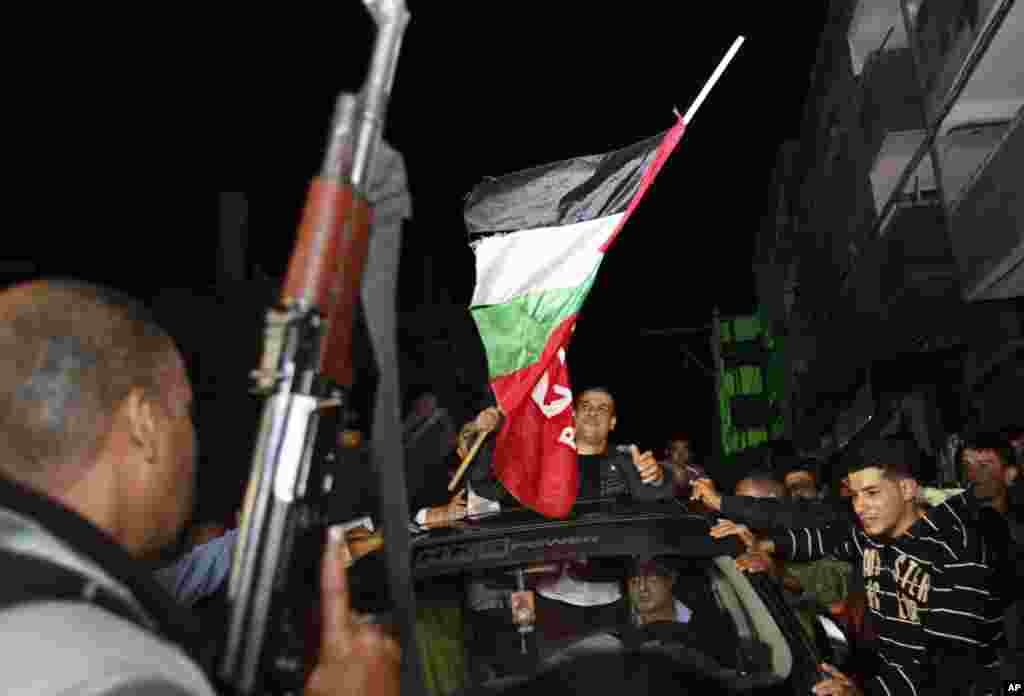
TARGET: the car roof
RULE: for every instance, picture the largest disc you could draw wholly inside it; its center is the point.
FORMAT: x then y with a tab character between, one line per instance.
593	529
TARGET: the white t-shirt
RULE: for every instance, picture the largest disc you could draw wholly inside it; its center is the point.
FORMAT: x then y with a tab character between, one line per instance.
580	593
478	505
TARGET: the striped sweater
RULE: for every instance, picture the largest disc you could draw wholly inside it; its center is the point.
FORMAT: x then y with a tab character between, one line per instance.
928	592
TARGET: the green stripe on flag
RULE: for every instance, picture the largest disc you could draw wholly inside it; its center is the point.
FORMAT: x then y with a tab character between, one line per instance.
515	333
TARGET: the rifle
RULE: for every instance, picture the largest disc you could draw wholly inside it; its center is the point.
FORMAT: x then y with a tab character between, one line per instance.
306	375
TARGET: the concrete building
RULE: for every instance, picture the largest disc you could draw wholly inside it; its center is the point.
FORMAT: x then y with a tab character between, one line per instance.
893	259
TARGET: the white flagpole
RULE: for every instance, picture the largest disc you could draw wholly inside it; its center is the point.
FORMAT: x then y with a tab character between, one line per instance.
692	111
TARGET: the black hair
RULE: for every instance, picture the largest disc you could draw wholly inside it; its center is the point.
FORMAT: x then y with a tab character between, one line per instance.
898	457
787	465
998	442
594	388
663	565
680	436
765	475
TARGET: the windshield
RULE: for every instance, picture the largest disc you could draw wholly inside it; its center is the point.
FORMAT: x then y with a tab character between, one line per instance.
500	625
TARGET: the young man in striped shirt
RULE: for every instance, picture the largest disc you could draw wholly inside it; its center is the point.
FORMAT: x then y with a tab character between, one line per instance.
929	585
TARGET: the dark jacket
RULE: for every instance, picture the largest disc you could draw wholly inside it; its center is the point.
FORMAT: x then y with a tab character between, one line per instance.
613	474
601	476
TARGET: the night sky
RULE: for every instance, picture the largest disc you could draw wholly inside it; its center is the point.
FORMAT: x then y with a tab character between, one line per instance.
482	89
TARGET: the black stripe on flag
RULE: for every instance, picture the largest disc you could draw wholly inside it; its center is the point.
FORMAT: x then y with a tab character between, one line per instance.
559	193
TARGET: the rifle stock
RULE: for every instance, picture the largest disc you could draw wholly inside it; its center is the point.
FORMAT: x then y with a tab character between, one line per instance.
305	374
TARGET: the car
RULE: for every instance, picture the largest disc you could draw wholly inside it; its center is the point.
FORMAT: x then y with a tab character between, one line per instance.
742	631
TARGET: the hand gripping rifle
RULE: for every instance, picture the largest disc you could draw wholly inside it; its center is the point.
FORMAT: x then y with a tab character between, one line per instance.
306	375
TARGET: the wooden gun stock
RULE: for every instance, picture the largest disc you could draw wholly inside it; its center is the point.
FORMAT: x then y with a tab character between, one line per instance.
326	269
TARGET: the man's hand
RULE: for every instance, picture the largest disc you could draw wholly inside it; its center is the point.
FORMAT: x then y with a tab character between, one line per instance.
354	658
360	541
704	491
850	612
650	470
758	562
488	419
837	683
727	528
454	510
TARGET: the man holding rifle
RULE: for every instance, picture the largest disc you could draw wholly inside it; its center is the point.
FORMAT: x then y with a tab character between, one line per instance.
96	472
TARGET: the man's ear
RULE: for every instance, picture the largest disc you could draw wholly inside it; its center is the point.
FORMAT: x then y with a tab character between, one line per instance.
612	422
140	412
909	489
1011	474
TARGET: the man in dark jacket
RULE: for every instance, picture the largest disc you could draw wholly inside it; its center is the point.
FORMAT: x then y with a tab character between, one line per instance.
604	472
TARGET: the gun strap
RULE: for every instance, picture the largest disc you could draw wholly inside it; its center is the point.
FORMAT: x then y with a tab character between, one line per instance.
379	293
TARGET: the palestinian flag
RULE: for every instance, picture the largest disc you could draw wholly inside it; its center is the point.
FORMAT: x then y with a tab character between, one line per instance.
539	236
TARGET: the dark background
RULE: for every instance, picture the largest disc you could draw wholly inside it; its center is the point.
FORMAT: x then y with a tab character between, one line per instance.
481	89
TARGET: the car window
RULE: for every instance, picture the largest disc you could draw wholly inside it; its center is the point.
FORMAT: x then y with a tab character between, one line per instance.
725	621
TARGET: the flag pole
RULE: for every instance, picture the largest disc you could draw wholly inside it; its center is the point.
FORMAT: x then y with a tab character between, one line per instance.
692	111
469	457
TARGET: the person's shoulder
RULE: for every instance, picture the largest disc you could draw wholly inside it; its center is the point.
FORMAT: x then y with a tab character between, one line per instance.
961	524
65	647
620	452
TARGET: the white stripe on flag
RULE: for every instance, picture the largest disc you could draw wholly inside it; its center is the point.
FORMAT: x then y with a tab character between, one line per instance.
546	258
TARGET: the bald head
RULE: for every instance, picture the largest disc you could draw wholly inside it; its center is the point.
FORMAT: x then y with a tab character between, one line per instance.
71	354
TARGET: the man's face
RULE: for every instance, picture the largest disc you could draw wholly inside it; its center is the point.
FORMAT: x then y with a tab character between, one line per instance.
595	416
987	471
885	506
679	450
801	484
169	480
679	459
844	488
650	592
752	488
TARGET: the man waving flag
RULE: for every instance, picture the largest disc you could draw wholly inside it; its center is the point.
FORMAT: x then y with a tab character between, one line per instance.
539	237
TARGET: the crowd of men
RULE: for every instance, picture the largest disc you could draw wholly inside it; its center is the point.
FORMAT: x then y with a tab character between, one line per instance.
925	580
97	453
933	596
